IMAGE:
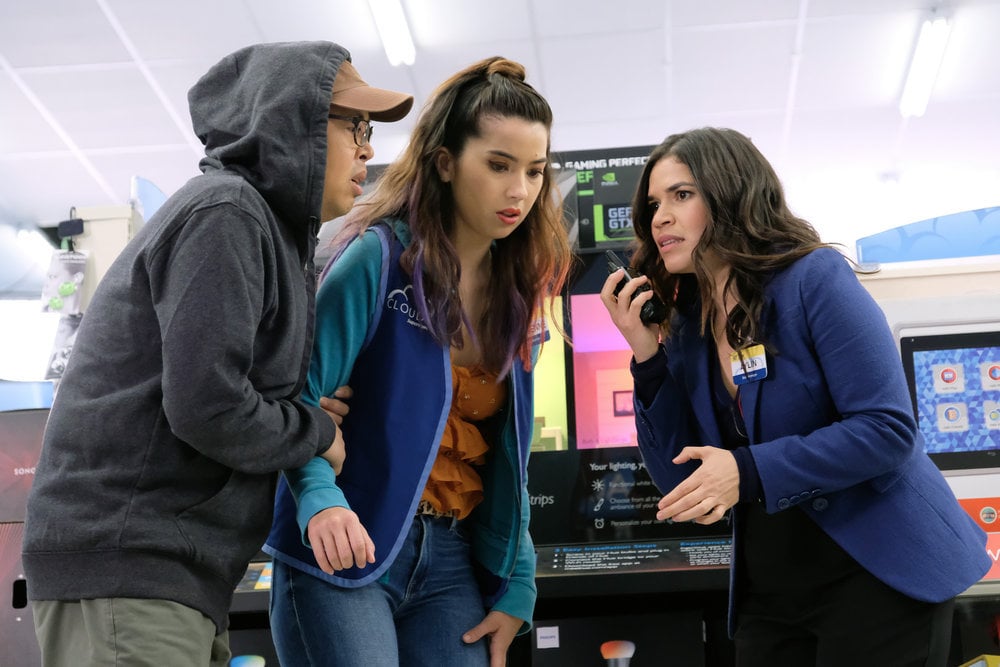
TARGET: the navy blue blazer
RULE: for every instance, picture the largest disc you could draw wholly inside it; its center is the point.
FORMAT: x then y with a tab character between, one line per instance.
831	429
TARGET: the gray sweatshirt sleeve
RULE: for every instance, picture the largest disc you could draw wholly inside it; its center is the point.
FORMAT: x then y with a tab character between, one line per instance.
211	294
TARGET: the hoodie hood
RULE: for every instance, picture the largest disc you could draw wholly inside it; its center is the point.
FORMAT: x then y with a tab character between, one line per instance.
262	112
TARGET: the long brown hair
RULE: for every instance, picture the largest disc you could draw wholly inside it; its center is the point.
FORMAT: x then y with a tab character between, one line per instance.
528	266
751	229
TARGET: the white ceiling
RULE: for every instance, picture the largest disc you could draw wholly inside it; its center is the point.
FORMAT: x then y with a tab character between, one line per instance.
93	92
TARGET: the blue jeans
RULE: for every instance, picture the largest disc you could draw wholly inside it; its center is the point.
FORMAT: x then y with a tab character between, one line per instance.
414	615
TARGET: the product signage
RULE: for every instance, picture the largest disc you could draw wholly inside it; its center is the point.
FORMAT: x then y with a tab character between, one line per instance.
600	201
984	512
20	446
602	519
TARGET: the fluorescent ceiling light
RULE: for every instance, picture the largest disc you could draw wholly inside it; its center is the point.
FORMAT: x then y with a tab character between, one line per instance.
393	31
924	66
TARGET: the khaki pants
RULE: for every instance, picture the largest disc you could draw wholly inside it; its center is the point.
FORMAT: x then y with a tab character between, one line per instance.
127	632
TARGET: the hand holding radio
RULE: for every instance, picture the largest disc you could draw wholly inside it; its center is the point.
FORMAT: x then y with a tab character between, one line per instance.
653	311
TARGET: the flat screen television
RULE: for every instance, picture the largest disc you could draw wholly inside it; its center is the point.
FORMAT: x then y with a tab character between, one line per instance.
954	383
593	503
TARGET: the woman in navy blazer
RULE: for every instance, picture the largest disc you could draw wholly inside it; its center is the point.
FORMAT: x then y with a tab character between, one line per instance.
774	389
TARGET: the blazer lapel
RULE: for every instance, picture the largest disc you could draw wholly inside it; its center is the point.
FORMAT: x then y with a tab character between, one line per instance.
696	372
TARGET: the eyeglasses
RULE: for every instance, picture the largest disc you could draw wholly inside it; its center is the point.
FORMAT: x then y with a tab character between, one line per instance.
362	128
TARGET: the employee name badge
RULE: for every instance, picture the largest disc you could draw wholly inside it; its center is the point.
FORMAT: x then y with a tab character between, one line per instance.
749	364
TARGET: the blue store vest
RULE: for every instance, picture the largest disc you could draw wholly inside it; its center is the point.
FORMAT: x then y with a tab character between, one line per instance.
391	451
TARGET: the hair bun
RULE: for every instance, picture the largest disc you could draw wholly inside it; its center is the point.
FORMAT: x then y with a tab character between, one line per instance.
499	66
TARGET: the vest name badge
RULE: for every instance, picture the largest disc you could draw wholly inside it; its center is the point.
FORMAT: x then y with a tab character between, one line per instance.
748	365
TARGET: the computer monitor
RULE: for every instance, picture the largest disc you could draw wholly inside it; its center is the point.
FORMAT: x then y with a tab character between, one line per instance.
954	383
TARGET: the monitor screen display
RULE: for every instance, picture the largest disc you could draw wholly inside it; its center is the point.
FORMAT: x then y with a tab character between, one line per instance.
602	384
954	383
598	186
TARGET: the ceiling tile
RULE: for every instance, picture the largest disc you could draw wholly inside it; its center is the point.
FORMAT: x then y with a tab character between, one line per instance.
688	13
22	129
105	108
737	68
444	23
347	23
869	73
824	8
39	33
186	29
591	20
584	84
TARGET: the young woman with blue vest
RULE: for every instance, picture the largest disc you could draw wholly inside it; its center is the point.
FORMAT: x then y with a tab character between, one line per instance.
774	396
418	552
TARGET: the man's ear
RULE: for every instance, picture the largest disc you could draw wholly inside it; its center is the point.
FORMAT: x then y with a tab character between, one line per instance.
445	164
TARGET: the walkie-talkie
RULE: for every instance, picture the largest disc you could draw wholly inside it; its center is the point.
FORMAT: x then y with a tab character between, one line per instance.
653	311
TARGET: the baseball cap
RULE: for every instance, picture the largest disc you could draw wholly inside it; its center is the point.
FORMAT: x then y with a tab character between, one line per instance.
351	91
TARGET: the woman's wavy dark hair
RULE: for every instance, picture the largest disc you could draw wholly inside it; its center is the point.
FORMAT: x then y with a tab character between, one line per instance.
529	266
750	228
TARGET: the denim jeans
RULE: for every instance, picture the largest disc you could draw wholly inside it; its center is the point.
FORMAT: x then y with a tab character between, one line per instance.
414	615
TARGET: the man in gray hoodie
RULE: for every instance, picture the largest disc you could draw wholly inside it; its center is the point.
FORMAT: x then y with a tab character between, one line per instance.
180	402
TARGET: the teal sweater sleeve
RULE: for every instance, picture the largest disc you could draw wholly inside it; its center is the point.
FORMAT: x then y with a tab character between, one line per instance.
522	592
345	305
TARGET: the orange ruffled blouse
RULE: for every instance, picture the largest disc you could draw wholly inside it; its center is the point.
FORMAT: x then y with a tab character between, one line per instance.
454	487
